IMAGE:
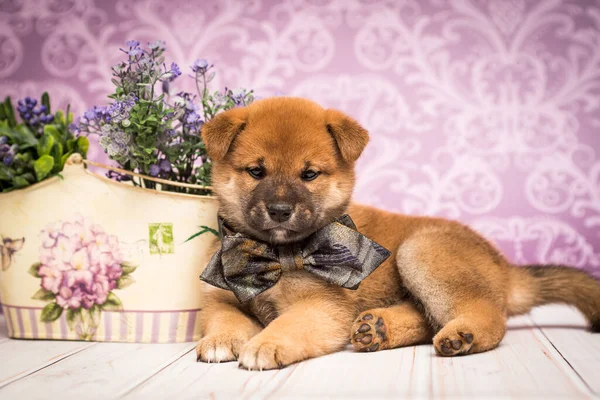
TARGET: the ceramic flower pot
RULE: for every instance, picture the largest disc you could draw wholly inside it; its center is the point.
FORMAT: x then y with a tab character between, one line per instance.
88	258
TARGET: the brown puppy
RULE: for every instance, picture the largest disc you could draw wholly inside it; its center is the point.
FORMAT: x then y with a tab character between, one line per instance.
283	168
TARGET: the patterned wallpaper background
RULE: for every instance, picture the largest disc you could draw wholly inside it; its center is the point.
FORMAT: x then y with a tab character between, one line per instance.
487	111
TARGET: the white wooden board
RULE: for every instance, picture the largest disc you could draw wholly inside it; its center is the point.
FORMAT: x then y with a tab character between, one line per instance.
102	371
559	360
568	332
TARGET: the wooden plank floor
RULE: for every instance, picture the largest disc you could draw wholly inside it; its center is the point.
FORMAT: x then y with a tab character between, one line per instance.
548	354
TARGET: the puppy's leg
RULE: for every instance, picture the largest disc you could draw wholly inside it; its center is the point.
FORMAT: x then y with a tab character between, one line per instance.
461	281
391	327
225	327
476	327
309	328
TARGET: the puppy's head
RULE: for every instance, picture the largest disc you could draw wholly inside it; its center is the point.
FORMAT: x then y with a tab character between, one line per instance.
283	167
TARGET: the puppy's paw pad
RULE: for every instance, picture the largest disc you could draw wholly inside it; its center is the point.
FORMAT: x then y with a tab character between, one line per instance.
369	332
453	344
217	349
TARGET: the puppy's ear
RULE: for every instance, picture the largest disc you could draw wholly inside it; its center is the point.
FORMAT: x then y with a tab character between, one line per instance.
219	132
350	137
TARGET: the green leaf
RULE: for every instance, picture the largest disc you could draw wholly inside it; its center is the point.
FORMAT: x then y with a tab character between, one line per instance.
46	101
70	144
45	144
72	317
92	317
51	312
28	176
10	112
43	166
57	153
21	159
59	117
203	231
83	144
125	281
20	135
128	268
33	270
6	174
69	116
43	294
53	131
19	182
113	303
64	158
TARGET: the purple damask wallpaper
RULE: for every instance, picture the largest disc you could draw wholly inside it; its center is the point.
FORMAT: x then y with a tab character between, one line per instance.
487	111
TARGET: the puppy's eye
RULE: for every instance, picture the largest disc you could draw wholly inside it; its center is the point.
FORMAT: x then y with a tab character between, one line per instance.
256	172
309	175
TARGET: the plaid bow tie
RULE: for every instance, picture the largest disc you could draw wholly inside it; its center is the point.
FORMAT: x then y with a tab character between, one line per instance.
336	253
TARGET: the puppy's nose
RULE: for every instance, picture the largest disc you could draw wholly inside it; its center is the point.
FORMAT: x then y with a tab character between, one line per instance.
280	212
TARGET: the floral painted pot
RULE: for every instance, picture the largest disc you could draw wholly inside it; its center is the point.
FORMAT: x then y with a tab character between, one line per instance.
88	258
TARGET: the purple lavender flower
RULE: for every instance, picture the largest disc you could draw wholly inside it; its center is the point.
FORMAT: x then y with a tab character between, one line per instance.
119	110
200	66
46	119
175	71
188	112
93	116
192	117
90	114
40	110
135	52
34	117
154	170
75	127
146	61
157	45
3	140
165	165
132	43
9	155
159	124
132	51
239	97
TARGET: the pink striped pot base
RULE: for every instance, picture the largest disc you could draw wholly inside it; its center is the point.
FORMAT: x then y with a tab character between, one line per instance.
173	326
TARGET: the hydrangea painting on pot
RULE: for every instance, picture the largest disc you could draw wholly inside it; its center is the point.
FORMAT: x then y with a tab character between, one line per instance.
80	267
115	257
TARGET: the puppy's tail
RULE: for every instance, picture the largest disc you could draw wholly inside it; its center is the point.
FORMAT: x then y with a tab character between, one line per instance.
535	285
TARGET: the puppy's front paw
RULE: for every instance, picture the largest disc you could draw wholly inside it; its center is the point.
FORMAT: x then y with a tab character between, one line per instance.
264	353
219	348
